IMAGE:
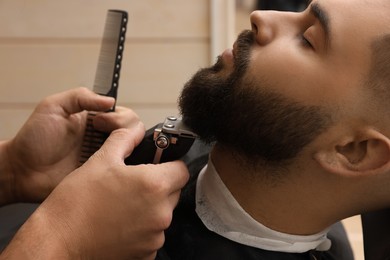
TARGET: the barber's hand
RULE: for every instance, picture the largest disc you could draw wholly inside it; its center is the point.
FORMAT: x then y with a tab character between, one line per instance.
48	146
105	209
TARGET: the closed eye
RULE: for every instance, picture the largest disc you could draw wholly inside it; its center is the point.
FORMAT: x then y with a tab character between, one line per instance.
305	42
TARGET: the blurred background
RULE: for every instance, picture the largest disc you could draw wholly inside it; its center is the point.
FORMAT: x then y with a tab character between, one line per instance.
51	46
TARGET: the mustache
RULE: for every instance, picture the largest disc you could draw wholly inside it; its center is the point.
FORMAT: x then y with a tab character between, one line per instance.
245	39
242	50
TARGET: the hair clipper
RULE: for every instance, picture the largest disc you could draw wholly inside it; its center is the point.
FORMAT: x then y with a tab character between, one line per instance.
167	141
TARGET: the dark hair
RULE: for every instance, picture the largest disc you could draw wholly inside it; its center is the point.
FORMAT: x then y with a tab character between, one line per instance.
379	75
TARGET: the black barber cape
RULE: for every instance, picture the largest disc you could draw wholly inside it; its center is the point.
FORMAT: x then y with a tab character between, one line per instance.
188	239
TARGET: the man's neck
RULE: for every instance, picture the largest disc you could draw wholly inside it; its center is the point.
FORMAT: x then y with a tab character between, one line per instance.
291	203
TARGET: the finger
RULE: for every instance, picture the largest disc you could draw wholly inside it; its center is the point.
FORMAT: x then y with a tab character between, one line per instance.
120	144
173	199
79	99
175	174
121	118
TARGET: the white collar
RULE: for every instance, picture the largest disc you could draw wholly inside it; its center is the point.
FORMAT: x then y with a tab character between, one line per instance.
222	214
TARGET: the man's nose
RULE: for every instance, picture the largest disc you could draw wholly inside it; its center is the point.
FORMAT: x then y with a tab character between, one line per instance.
261	27
267	25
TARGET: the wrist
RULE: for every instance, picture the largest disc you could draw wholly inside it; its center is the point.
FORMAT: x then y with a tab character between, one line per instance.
7	177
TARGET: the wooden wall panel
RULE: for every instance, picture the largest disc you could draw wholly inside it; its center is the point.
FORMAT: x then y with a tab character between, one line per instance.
151	72
84	19
36	70
156	73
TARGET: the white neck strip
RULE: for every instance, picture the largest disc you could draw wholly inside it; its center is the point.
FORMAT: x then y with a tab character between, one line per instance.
222	214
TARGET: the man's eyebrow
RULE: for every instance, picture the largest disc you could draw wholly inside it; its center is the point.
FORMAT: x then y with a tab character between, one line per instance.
323	18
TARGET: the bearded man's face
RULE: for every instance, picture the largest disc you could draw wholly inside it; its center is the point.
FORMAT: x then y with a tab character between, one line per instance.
223	103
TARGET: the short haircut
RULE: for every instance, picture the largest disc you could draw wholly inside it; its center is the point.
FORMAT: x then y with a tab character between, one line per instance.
379	75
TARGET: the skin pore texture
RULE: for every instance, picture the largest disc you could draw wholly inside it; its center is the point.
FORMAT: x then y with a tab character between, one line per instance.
301	136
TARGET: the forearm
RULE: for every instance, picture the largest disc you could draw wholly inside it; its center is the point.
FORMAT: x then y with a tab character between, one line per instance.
38	239
6	176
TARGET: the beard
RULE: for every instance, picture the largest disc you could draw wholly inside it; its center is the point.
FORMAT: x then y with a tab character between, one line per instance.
256	124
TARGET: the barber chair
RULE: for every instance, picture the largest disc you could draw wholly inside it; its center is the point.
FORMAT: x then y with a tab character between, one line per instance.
376	235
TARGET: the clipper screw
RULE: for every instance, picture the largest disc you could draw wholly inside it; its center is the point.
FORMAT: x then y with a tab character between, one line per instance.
162	142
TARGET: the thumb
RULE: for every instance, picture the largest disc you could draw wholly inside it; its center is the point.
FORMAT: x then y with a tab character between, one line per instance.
120	144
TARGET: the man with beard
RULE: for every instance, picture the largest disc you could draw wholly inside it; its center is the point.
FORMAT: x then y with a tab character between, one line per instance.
297	116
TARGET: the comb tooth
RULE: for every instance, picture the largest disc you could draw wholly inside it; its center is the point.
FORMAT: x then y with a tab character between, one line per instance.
108	69
107	75
93	140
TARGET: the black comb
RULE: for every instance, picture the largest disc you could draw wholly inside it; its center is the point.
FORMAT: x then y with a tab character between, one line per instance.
107	75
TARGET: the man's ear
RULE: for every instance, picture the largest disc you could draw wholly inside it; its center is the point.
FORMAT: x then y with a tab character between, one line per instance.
367	152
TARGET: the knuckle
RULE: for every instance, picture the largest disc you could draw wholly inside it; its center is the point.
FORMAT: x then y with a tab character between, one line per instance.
153	182
165	219
82	90
132	114
147	248
141	125
132	119
153	246
158	242
46	102
158	186
121	133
